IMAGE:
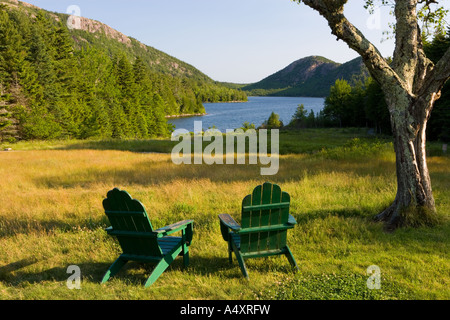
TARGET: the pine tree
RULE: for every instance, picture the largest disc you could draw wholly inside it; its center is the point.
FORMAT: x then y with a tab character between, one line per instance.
336	104
299	117
273	122
160	127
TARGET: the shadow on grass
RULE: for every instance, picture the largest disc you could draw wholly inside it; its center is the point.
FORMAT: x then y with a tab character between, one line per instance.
366	215
11	227
6	270
14	276
156	146
135	273
364	228
291	141
163	171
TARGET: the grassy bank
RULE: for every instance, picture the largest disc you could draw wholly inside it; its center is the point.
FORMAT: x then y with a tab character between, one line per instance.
52	217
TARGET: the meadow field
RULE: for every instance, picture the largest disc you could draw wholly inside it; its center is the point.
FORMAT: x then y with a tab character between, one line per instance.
52	217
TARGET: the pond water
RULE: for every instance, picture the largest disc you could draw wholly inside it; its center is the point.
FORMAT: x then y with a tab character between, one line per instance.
257	110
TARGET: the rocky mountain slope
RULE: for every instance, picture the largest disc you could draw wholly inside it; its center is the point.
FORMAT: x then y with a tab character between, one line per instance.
311	76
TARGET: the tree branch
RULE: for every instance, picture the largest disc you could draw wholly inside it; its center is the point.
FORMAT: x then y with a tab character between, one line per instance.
333	12
406	40
424	65
436	78
427	2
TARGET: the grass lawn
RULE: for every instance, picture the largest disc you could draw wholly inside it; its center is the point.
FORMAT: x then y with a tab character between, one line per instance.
52	217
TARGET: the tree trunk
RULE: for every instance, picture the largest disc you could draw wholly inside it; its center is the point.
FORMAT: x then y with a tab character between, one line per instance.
414	203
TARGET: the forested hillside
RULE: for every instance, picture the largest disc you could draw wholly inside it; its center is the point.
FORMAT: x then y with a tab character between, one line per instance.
57	82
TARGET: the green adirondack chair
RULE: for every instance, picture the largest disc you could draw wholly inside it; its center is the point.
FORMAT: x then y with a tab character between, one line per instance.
139	242
263	229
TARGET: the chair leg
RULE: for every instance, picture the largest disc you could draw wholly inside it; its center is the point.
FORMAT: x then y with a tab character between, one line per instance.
115	267
240	260
185	255
163	265
230	252
291	258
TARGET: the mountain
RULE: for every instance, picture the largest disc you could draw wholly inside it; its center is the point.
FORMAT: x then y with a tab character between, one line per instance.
95	33
90	80
87	32
311	76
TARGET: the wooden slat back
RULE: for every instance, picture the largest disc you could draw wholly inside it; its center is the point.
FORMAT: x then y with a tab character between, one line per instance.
255	214
127	214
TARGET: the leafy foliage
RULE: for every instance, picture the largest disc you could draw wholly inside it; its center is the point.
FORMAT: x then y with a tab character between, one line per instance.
273	122
248	126
430	13
439	123
360	105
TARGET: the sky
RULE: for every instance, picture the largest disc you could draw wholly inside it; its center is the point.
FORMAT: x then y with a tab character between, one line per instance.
239	41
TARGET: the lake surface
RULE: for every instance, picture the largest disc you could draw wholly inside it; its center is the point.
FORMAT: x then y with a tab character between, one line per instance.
257	110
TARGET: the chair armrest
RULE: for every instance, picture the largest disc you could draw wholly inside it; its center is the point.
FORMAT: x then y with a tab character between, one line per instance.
292	220
227	223
173	228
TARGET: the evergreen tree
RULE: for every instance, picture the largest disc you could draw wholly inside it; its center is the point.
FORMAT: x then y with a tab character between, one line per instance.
376	109
5	116
273	122
299	118
311	120
160	126
355	115
439	124
337	103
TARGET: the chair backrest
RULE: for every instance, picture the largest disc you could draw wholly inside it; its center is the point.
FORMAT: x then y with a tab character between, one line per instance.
130	224
265	213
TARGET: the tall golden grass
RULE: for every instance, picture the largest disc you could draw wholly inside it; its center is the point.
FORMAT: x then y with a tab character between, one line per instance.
52	217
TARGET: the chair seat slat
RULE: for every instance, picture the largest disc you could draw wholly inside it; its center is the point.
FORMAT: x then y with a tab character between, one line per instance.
276	227
266	206
125	213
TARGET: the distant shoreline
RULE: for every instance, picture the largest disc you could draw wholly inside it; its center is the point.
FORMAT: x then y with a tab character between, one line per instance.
234	101
186	115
